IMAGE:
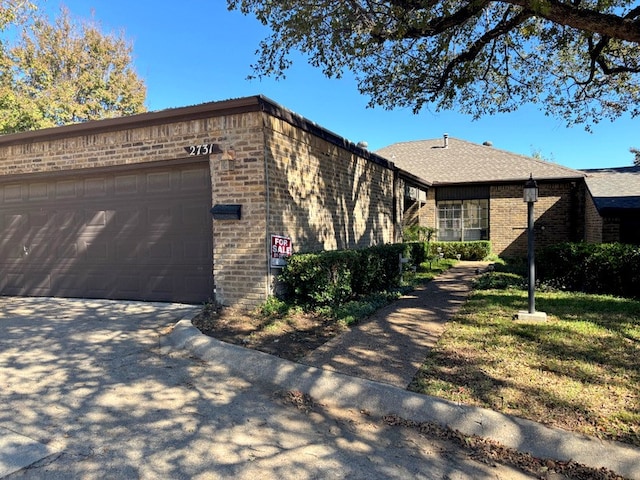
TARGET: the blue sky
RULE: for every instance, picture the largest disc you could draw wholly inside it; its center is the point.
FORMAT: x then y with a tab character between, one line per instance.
197	51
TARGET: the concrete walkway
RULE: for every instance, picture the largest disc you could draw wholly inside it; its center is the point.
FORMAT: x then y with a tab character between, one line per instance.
98	389
391	345
369	367
134	390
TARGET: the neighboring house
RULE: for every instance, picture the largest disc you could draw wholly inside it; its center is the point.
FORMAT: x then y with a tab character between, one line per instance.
188	204
120	208
613	205
477	194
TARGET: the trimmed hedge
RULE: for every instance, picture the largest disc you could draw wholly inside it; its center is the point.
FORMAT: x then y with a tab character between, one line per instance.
335	277
609	268
424	251
476	250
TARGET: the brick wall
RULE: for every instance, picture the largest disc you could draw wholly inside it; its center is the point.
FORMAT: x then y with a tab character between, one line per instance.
610	230
290	179
553	218
323	196
508	216
420	213
593	222
239	264
237	177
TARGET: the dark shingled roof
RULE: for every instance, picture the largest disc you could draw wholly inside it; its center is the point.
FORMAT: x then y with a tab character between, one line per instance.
614	188
466	162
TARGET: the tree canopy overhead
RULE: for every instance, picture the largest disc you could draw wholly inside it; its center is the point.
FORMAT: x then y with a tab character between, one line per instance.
579	59
63	72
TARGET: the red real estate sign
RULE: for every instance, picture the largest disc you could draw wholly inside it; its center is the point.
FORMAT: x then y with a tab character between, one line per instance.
281	248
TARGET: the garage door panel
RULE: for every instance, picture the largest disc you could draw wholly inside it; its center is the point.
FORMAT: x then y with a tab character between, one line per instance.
13	221
66	189
39	282
159	252
99	285
127	220
137	235
190	179
96	218
126	185
160	285
12	252
94	187
95	252
161	218
39	219
196	250
67	251
35	252
38	191
12	193
159	182
12	283
68	284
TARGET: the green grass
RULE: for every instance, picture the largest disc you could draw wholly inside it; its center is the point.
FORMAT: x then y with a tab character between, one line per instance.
427	271
580	370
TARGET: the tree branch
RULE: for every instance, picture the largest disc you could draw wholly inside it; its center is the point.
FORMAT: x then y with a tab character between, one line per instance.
625	27
621	28
500	29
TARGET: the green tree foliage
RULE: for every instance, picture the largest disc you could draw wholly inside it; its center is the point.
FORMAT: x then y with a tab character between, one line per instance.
636	155
13	11
65	72
580	59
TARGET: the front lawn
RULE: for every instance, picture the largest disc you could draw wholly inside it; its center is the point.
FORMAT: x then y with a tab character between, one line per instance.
579	370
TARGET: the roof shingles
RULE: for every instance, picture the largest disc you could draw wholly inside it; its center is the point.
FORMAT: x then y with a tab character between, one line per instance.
466	162
615	188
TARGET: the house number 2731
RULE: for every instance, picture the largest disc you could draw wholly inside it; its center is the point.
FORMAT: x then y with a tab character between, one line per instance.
204	149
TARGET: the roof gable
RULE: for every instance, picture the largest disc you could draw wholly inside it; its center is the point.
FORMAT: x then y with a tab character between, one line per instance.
466	162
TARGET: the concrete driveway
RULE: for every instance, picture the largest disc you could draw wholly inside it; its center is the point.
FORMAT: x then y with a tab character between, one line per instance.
89	391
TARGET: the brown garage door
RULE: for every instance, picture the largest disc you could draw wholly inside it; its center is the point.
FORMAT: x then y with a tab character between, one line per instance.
142	234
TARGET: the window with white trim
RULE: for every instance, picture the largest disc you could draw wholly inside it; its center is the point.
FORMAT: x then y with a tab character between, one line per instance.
463	220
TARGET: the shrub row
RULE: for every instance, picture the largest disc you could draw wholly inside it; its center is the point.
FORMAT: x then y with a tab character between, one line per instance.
332	278
335	277
423	251
611	268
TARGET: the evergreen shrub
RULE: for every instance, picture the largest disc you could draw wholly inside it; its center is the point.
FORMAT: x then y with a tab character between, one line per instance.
476	250
608	268
335	277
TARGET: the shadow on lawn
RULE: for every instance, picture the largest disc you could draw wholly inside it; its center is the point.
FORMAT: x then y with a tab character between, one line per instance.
588	340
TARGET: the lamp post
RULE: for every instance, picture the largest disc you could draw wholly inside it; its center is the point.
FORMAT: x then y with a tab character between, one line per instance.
531	196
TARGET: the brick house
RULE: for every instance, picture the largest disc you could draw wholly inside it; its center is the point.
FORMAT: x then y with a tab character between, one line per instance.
612	205
183	204
476	194
122	208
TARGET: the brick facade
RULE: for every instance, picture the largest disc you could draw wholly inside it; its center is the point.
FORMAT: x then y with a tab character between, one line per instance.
555	218
593	222
290	176
325	197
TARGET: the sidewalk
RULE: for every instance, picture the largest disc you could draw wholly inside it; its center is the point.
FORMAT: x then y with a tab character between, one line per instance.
391	345
369	368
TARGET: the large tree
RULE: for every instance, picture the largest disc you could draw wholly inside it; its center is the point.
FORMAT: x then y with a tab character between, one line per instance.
65	72
580	59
